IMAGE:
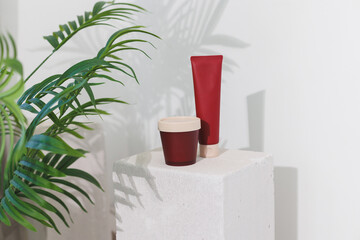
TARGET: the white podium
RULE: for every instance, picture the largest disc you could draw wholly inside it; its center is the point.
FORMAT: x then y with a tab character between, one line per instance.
229	197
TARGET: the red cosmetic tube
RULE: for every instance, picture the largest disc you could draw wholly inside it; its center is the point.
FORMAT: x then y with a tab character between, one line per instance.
179	137
207	87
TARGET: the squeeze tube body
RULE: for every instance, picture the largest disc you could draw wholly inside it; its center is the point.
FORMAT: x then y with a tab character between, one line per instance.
207	87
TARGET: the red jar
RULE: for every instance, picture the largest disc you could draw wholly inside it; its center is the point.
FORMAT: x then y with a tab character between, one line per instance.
179	137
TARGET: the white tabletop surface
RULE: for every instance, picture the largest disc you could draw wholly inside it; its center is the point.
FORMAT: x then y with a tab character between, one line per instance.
227	162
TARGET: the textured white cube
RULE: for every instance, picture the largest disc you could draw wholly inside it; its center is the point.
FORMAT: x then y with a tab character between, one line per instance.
229	197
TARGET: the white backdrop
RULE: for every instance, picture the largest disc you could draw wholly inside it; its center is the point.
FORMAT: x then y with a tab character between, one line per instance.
290	88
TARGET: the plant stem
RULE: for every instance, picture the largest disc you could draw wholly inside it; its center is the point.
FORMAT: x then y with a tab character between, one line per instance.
37	68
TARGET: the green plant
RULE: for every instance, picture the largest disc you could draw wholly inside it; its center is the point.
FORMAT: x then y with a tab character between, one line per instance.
36	164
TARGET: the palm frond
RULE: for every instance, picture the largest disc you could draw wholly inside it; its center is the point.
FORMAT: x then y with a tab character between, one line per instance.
38	163
101	13
12	120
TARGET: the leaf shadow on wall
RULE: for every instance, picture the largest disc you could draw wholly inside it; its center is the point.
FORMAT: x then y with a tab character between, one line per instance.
126	174
285	178
166	88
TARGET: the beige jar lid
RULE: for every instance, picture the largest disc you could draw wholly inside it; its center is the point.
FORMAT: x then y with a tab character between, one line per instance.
179	124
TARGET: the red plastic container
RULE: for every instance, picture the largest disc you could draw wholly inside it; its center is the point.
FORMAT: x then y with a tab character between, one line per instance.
179	137
207	88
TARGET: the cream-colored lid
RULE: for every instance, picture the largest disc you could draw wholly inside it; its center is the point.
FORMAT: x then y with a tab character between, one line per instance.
179	124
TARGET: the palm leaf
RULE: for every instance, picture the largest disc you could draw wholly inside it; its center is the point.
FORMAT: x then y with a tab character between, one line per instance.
54	145
15	214
23	206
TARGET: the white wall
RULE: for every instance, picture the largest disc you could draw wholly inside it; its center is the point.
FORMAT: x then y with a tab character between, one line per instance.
312	115
290	88
9	16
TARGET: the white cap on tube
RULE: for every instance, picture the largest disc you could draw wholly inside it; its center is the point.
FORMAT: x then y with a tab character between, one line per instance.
209	151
